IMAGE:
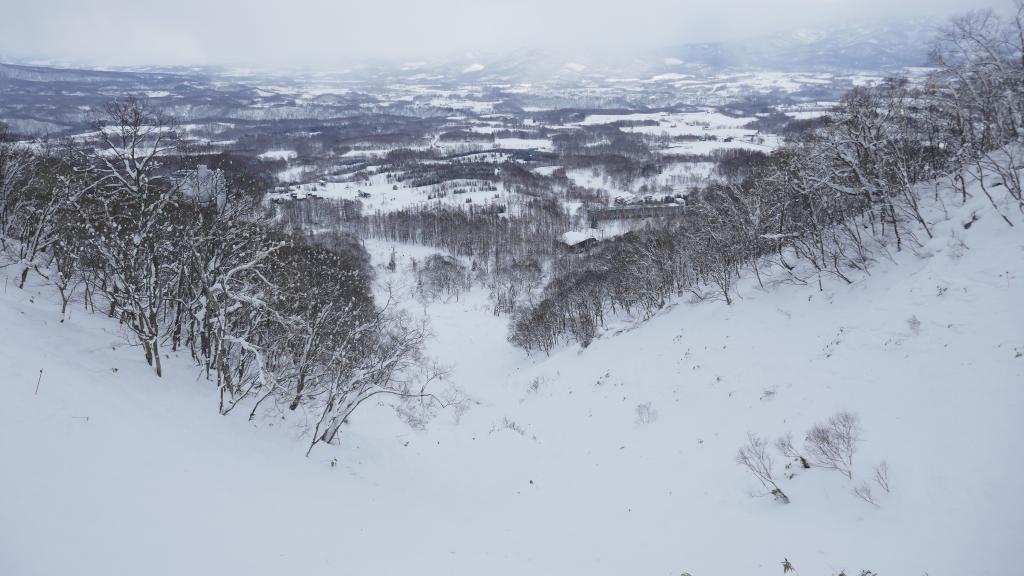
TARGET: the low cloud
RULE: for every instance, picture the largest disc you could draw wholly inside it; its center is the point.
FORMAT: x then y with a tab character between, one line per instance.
318	33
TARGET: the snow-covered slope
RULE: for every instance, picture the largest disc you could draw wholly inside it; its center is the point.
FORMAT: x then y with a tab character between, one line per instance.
553	469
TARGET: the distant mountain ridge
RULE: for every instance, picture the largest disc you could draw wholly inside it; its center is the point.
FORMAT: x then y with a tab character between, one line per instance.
850	47
879	47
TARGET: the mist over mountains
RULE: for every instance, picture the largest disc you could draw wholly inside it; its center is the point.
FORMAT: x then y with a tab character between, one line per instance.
40	96
862	47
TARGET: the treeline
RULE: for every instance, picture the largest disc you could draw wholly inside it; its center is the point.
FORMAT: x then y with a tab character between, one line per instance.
635	273
831	202
507	245
188	261
487	234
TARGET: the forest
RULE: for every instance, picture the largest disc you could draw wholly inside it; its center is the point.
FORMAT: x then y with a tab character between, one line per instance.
832	201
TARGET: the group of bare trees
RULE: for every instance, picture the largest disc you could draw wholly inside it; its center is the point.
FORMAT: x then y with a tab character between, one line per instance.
441	277
637	273
979	86
275	321
830	446
826	205
514	282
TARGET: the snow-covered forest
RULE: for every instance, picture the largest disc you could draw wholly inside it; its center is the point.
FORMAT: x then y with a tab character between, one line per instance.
738	339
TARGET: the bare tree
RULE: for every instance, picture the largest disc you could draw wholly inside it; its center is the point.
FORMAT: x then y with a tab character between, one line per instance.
441	276
275	319
833	444
17	171
863	491
882	475
785	446
755	458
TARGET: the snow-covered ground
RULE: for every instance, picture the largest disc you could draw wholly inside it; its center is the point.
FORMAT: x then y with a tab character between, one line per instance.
292	174
615	459
523	143
377	194
278	155
716	130
675	178
682	122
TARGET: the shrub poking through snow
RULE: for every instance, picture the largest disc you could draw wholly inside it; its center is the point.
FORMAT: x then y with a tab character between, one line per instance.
441	277
755	458
882	475
645	413
785	446
863	491
832	445
914	324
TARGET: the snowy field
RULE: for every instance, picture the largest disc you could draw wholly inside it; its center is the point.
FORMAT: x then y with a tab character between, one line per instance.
278	155
615	459
675	178
704	131
377	194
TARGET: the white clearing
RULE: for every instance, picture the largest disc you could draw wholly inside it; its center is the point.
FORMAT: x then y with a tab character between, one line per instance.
279	155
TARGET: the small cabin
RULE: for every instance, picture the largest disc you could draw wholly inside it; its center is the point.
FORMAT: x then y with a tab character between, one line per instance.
578	242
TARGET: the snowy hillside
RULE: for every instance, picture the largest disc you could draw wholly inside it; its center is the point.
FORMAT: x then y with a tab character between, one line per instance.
615	459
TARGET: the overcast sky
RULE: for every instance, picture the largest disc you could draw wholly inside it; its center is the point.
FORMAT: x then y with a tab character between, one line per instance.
337	32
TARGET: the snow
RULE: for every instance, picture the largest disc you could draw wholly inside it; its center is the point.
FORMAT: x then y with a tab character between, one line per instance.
574	237
110	470
377	194
807	114
605	230
523	143
279	155
546	170
473	68
674	178
460	103
720	130
761	144
669	76
593	119
293	174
